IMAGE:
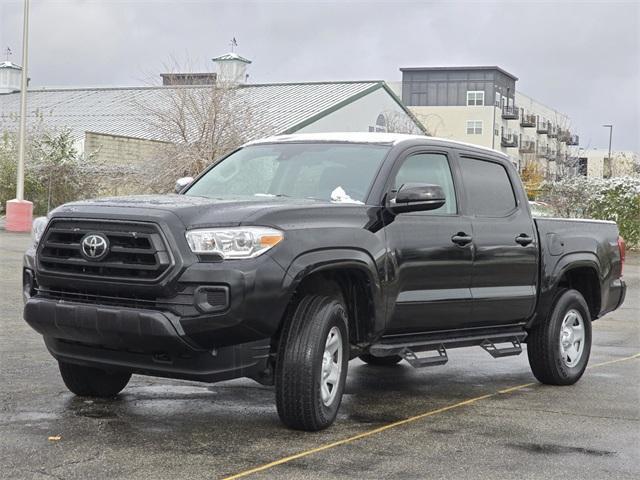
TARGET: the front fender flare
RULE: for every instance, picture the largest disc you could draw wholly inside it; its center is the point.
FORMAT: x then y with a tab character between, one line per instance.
337	258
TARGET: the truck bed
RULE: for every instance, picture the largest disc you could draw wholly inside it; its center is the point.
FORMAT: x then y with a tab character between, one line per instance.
591	244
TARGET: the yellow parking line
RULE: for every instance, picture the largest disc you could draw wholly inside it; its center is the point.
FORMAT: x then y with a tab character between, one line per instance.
623	359
518	387
388	426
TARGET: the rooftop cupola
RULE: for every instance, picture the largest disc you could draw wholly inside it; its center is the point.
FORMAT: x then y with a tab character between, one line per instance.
10	74
232	68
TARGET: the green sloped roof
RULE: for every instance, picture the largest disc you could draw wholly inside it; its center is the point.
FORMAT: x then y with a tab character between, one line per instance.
278	107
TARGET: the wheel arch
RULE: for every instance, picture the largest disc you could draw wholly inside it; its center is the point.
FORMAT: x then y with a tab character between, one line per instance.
581	272
354	273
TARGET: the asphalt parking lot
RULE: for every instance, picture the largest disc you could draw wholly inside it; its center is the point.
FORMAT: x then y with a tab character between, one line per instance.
475	417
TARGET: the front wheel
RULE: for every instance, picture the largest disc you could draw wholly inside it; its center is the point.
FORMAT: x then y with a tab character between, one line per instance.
559	348
312	363
92	382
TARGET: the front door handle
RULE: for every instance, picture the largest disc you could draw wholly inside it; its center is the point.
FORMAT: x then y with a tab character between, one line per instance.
524	239
461	239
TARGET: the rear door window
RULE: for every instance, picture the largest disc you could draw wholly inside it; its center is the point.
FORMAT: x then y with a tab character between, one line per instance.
487	187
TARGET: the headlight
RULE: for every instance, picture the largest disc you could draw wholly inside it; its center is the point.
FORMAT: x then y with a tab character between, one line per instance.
233	242
37	228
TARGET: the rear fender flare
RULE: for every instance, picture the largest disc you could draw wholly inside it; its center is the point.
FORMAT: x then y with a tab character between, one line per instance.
551	281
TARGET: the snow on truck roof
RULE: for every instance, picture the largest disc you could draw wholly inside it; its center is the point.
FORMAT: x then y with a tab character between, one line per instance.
366	137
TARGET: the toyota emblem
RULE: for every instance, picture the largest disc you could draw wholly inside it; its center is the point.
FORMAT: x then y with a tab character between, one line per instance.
94	246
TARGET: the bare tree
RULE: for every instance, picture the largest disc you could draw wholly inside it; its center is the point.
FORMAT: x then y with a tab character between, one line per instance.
563	155
400	122
623	164
197	124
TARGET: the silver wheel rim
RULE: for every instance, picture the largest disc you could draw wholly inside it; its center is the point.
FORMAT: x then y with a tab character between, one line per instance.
331	366
572	338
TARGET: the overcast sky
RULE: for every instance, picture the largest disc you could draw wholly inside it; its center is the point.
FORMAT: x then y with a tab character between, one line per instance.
582	58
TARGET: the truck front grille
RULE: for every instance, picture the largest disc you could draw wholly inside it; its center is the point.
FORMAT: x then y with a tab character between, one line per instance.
137	250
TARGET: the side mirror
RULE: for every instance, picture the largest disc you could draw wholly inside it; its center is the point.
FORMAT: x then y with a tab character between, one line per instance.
417	198
182	183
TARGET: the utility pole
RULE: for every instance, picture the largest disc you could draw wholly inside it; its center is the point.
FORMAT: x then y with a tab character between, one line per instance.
23	103
610	127
20	211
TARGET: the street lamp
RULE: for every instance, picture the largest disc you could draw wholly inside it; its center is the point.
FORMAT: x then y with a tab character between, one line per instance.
610	127
20	211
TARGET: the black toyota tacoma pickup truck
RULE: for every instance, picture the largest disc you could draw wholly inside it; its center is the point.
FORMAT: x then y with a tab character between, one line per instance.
295	254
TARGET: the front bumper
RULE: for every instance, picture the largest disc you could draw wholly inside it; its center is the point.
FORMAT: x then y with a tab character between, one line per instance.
251	308
203	320
139	341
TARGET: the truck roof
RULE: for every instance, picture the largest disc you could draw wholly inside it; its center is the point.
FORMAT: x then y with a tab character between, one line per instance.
377	138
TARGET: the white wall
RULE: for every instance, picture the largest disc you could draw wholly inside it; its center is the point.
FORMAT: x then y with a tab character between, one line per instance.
451	123
361	114
622	164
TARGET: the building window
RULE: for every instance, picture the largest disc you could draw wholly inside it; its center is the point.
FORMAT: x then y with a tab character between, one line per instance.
474	127
380	126
475	97
497	101
582	166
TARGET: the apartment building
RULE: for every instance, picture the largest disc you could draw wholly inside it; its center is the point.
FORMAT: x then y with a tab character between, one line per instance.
481	105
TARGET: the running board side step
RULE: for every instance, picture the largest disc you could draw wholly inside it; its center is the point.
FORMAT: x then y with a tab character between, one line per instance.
488	339
419	362
495	352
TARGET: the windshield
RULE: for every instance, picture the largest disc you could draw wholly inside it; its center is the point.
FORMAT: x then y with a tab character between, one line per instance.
340	173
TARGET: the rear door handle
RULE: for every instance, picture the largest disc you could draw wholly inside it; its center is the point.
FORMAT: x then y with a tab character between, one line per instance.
524	239
461	239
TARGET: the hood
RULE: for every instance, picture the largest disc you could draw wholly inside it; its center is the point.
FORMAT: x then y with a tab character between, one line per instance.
192	211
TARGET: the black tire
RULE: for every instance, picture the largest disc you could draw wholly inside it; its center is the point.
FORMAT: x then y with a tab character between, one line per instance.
299	366
381	361
92	382
544	344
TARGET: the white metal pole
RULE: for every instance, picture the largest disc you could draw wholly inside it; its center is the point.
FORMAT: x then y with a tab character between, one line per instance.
23	104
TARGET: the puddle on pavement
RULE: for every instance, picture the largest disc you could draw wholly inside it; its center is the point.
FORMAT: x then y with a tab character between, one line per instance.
552	449
167	390
28	417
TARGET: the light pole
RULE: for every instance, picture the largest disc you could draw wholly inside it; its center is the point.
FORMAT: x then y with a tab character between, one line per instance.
19	210
610	127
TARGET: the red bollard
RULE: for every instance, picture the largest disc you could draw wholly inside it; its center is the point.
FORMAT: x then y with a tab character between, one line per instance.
19	216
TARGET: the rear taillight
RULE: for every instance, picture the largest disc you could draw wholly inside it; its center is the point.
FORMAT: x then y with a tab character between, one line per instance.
622	247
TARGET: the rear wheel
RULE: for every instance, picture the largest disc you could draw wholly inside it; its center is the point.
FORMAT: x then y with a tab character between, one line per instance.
312	363
92	382
559	348
380	361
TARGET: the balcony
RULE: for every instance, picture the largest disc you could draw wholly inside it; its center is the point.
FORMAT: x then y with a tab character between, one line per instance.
528	120
509	140
527	146
573	140
510	112
544	152
543	127
563	135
